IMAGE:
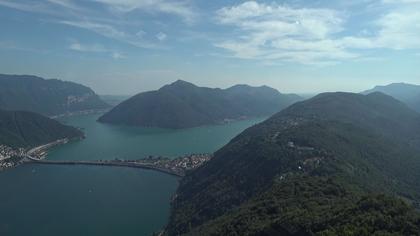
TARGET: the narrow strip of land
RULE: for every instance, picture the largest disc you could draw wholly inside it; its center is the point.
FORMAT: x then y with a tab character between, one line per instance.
131	164
177	167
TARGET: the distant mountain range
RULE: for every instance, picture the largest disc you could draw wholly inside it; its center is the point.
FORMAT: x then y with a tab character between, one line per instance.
27	129
48	97
183	105
336	164
407	93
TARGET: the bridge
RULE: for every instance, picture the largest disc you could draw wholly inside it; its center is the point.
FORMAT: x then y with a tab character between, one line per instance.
129	164
176	167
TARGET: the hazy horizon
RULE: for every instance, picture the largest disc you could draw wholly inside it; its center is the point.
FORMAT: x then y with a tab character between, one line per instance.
127	47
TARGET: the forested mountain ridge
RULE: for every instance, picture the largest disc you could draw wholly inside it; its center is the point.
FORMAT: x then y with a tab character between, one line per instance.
407	93
377	111
21	129
182	105
297	172
48	97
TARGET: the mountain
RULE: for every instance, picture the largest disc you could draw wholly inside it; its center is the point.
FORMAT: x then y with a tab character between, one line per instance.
407	93
336	164
182	105
28	129
48	97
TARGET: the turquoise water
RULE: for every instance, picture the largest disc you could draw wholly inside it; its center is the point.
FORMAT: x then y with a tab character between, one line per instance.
92	200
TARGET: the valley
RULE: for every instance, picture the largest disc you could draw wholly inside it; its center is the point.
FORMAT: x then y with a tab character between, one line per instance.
345	149
333	143
209	118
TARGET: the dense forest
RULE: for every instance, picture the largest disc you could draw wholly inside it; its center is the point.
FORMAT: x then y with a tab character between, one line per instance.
336	164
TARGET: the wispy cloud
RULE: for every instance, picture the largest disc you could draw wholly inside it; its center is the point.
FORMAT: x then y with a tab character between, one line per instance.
276	32
111	32
88	48
66	4
107	23
400	28
179	8
141	33
311	35
105	30
38	7
8	45
95	48
273	33
161	36
401	1
118	55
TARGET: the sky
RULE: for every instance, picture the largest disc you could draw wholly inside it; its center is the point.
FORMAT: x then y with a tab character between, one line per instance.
296	46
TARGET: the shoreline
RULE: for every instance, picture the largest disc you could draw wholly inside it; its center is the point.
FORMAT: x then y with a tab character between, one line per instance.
77	113
225	121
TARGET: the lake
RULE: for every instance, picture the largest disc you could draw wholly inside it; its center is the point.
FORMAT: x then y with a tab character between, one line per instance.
93	200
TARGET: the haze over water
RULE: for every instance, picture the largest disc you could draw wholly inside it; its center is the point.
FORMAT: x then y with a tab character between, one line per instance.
87	200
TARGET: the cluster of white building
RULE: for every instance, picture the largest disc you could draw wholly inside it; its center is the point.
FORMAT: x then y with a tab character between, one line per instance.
190	162
6	153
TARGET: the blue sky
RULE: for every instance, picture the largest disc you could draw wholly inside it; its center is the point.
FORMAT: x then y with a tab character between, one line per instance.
129	46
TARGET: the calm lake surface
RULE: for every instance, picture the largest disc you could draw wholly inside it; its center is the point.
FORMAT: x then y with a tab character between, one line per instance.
91	200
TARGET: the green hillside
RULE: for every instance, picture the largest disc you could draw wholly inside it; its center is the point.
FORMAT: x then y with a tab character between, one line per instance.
182	105
27	129
47	97
297	172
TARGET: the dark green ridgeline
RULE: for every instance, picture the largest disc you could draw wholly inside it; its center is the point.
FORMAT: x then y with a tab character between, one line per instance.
27	129
183	105
337	164
48	97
